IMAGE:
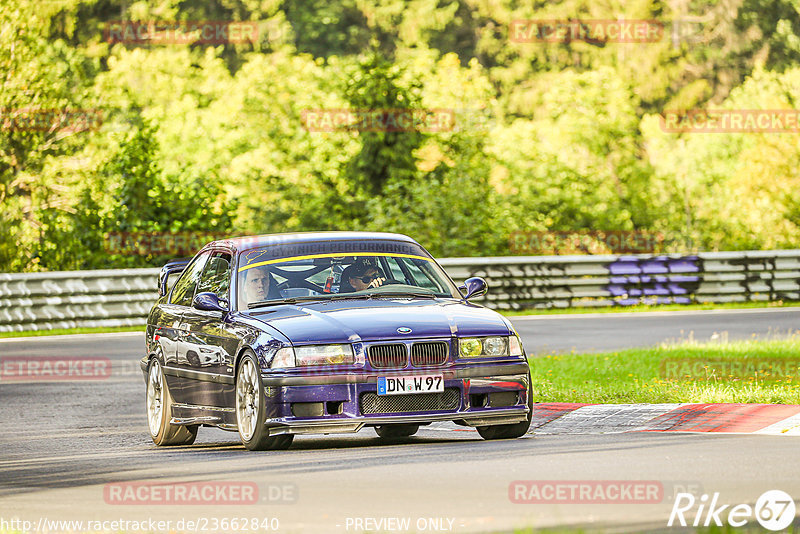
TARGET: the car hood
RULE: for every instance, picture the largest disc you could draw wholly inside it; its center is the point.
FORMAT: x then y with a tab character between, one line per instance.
379	319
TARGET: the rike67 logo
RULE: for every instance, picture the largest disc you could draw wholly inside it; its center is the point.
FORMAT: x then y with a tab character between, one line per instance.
774	510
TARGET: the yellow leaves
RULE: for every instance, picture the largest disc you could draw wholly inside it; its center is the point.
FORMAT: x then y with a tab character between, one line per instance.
430	155
499	180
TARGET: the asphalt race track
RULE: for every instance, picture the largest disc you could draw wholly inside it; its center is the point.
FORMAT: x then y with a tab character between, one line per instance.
79	450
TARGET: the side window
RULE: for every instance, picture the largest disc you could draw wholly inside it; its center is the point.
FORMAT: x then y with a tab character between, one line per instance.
395	272
422	278
183	293
216	277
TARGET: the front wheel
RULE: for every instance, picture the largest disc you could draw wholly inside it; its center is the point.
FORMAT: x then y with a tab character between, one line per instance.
251	409
159	411
512	431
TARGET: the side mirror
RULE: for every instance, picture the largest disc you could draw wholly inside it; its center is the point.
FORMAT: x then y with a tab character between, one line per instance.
208	301
474	287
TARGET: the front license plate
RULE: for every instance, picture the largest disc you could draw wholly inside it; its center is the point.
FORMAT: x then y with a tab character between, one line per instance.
397	385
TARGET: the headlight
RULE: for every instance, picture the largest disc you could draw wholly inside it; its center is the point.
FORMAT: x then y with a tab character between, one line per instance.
470	347
477	347
324	355
495	346
515	347
283	358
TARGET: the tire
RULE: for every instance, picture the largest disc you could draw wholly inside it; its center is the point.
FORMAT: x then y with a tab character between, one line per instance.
513	431
193	359
251	405
159	411
396	431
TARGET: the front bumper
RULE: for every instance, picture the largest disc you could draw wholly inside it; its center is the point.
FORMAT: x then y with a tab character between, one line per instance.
339	398
335	426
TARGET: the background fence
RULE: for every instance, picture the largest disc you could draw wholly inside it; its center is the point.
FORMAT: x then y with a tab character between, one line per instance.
42	301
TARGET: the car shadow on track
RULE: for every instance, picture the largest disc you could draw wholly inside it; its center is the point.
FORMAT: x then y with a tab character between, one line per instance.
315	454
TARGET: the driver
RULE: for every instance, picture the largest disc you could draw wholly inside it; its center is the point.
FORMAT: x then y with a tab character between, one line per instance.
258	284
361	275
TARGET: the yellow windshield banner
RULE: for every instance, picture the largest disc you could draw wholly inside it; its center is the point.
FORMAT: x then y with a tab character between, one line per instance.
334	255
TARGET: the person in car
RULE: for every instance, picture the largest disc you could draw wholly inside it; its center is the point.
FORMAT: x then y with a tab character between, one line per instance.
359	276
259	285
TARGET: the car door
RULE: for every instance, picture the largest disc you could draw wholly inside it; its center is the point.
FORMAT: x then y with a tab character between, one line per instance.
210	342
180	301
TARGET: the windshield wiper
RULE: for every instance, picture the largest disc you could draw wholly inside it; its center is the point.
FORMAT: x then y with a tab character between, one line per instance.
290	300
411	294
348	296
341	296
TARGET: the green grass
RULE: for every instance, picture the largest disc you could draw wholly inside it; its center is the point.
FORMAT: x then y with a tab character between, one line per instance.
650	308
67	331
642	375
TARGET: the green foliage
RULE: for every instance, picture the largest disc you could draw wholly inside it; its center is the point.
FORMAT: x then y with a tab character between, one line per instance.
386	157
556	136
42	82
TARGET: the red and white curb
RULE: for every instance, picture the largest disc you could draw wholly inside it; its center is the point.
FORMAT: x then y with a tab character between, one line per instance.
573	418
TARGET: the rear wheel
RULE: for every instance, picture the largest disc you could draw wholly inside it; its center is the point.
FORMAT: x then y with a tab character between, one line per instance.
396	431
159	411
251	409
512	431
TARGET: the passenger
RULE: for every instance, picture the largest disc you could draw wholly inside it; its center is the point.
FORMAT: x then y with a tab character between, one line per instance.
360	276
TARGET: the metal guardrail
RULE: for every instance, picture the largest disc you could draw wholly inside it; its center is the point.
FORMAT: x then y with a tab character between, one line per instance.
623	280
44	301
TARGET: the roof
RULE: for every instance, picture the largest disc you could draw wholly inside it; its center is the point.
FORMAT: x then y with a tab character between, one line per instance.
248	242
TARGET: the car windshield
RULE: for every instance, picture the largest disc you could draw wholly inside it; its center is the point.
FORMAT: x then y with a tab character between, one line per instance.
405	270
